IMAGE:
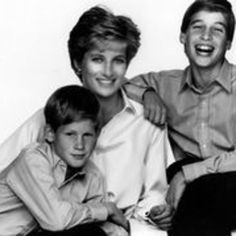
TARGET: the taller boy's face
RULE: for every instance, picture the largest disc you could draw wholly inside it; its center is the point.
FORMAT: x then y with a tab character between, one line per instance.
205	40
104	67
74	142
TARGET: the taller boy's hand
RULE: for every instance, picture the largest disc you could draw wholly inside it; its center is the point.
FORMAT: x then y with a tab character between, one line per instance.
161	215
116	216
176	189
154	108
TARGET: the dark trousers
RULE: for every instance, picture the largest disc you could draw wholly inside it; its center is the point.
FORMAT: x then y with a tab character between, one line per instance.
80	230
208	205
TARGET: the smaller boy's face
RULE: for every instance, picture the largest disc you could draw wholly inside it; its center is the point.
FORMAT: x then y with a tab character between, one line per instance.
74	142
205	40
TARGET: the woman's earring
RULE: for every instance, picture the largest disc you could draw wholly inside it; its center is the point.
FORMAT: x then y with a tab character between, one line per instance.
78	72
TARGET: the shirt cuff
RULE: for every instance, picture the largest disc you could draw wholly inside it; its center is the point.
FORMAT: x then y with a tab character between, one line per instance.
193	171
98	211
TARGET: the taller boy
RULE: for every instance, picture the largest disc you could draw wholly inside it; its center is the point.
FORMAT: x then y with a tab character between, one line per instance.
201	116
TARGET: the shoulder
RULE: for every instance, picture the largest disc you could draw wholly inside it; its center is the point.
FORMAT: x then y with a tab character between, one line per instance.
33	155
92	170
167	74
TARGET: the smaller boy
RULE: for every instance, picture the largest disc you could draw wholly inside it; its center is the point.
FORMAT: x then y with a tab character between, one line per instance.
52	186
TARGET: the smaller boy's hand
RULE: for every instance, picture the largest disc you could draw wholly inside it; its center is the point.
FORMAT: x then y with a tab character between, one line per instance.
116	216
154	108
162	215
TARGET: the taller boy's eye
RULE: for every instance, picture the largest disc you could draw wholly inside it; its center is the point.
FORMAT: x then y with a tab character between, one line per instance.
219	29
197	26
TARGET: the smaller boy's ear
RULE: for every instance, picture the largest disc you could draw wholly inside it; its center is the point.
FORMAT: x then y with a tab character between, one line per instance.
49	134
182	38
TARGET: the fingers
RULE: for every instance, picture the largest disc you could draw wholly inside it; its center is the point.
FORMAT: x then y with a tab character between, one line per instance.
154	108
165	226
156	116
162	216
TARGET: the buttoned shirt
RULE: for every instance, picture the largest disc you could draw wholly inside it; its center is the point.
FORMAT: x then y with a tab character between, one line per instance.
201	123
131	153
33	189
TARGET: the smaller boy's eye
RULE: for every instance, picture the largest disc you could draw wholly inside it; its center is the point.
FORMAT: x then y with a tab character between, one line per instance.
89	134
120	60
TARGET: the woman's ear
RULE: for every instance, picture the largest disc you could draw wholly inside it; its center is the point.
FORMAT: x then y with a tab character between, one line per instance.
77	68
49	134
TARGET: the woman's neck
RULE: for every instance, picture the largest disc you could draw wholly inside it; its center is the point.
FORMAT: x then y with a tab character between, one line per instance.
109	107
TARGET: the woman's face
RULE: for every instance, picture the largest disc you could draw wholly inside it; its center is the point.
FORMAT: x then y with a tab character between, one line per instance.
104	66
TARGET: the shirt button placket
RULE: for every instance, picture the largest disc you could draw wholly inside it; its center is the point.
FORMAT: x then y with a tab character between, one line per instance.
203	127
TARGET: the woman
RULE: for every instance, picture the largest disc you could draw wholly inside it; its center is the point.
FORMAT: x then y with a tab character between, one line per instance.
131	152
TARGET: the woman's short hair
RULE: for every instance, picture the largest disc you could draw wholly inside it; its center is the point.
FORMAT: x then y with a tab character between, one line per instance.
100	23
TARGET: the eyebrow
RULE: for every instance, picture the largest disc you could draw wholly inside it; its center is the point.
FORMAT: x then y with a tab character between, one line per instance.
199	21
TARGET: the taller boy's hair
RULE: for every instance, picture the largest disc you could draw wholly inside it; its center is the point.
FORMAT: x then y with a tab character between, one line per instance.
222	6
69	104
99	23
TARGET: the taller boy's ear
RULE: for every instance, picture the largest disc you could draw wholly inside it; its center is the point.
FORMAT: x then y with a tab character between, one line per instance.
182	38
49	134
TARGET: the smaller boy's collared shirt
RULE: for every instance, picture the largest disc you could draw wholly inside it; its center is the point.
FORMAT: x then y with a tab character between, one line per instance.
201	123
33	188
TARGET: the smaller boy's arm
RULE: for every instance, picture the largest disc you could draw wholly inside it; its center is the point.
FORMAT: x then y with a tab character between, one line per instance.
28	132
32	180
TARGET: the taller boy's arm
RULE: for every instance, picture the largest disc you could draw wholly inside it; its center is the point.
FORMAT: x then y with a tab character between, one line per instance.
159	156
136	86
145	90
222	163
32	180
31	131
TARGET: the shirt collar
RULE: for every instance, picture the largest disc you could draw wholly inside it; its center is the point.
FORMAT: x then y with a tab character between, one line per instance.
128	106
224	77
58	162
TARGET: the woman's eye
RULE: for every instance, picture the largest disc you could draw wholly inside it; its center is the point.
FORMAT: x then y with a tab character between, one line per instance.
97	59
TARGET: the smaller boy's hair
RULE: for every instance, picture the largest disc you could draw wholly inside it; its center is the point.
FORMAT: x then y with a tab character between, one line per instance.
222	6
70	104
